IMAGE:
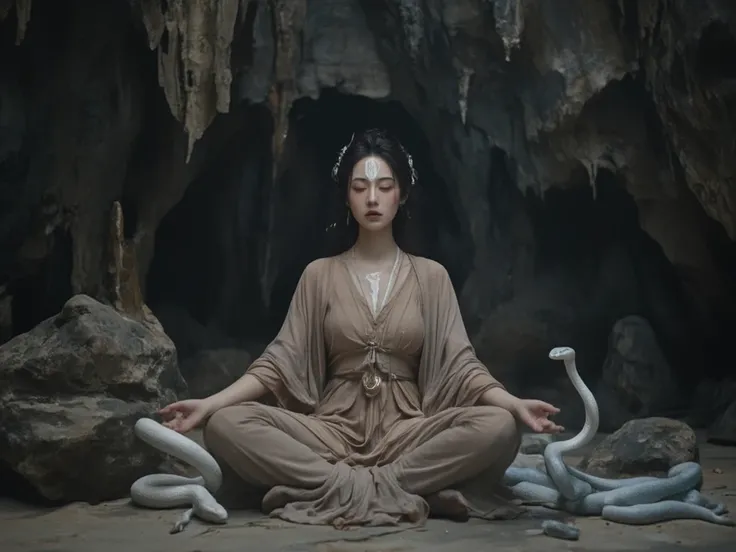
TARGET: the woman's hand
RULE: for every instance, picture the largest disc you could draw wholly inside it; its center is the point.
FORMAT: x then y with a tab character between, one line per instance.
186	415
535	414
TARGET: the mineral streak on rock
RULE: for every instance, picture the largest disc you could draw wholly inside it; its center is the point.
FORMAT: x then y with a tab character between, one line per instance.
288	20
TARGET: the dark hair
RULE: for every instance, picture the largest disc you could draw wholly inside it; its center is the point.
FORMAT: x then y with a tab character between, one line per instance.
379	143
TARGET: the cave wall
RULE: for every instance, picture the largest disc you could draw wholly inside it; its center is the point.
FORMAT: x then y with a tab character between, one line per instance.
575	162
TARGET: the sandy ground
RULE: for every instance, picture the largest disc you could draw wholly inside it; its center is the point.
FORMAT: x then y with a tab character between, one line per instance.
120	527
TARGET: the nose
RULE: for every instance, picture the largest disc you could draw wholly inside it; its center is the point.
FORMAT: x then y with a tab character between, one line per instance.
372	196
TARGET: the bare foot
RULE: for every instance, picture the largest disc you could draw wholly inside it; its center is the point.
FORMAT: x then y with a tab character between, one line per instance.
448	504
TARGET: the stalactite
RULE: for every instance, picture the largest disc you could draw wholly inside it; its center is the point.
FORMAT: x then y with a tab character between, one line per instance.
288	23
288	18
22	15
463	89
412	21
509	15
193	39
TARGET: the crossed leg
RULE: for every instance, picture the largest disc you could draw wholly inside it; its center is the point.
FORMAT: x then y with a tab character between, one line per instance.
260	447
456	460
268	447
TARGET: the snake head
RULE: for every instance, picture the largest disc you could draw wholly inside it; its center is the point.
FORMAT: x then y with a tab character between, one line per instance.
562	353
211	511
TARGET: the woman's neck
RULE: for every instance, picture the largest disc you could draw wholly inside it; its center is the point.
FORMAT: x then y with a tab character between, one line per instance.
375	246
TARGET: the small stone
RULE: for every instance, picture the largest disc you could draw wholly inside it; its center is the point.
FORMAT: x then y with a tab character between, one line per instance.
560	530
535	443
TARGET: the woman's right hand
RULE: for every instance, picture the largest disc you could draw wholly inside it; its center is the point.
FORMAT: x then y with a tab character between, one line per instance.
184	416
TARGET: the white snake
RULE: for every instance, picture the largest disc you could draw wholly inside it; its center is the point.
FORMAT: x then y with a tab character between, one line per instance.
164	490
638	500
634	501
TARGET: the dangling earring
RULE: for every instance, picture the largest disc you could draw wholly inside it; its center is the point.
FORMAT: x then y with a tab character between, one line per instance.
403	206
347	219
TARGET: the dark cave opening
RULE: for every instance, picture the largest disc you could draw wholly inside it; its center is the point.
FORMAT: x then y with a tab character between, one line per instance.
320	128
42	292
205	262
605	268
671	290
715	53
209	261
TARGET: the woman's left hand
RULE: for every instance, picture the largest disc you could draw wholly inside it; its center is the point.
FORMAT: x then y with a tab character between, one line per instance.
536	414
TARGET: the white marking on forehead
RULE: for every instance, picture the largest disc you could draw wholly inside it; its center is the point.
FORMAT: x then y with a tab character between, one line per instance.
371	169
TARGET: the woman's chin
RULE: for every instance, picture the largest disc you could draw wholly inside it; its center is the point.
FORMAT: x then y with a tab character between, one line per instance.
374	225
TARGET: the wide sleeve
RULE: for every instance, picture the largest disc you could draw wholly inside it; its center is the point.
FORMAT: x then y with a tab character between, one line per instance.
292	366
451	374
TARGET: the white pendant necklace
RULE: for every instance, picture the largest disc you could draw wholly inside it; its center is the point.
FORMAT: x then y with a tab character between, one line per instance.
374	284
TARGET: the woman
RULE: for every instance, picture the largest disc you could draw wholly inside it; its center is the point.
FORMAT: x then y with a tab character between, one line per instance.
384	412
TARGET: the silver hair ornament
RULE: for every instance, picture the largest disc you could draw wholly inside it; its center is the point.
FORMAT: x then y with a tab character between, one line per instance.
409	160
336	166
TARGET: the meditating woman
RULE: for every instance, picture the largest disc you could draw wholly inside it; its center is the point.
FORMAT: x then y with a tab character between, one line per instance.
383	410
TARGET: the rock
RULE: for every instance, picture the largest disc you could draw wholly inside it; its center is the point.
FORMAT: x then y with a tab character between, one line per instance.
535	443
636	380
649	446
723	431
76	449
560	530
533	461
70	392
210	371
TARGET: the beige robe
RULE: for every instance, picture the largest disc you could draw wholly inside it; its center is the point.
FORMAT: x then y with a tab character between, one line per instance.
331	454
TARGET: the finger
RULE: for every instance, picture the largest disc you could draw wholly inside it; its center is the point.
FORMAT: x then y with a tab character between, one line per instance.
549	427
533	424
170	408
548	407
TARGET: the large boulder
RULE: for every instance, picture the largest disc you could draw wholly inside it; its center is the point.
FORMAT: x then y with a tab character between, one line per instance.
70	392
649	446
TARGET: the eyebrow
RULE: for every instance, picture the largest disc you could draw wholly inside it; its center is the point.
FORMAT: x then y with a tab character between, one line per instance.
364	179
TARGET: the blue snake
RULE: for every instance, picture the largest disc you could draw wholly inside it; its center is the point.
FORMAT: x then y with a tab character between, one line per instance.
632	501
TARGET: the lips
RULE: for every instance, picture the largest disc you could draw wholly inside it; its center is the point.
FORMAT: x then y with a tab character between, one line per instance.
373	214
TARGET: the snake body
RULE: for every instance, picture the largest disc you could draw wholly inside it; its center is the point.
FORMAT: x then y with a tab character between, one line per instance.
163	490
633	501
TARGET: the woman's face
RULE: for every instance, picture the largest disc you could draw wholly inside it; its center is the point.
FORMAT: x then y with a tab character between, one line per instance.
374	195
